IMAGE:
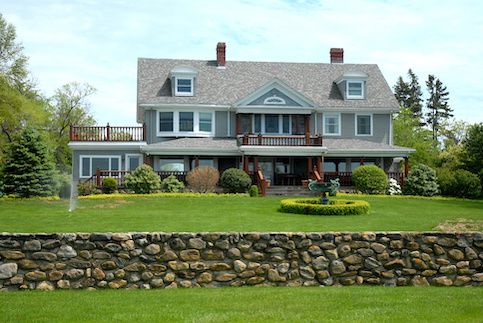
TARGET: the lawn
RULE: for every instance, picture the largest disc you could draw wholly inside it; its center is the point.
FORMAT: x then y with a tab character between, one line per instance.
354	304
229	214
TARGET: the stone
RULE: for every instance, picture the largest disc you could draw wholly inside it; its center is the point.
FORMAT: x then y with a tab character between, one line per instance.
101	255
212	254
225	277
147	275
442	261
430	239
262	270
205	278
428	273
387	274
396	263
447	242
220	266
63	284
470	254
128	245
157	267
337	267
315	251
438	250
66	251
169	277
456	254
32	245
442	281
353	259
98	274
51	244
133	278
189	255
283	267
320	263
198	266
371	263
344	250
369	236
222	244
247	274
86	254
396	244
9	244
331	254
12	255
185	284
100	236
462	264
359	244
306	257
365	252
113	247
346	281
253	265
116	284
136	266
196	243
373	281
255	280
121	236
156	283
233	253
307	272
45	286
239	266
108	265
74	274
28	264
168	255
172	285
35	276
322	274
477	277
244	246
461	280
177	244
419	281
274	276
254	256
448	270
152	249
8	270
327	245
276	250
55	275
177	265
48	256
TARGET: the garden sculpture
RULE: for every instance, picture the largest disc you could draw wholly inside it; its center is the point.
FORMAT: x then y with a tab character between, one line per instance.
330	187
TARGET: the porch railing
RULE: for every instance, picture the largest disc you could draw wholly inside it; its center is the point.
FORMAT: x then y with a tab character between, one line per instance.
107	133
264	140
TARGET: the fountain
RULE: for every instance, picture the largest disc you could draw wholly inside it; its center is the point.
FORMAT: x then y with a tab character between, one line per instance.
330	187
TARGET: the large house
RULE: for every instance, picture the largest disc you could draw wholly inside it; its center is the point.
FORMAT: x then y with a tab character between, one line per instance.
291	121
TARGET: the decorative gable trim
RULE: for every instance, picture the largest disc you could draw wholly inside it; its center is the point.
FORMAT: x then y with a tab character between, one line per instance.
277	84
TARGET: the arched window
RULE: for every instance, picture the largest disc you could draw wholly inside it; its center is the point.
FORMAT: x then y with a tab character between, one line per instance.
274	100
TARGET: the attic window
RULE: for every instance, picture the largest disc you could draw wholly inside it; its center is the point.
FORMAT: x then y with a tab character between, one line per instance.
274	100
184	87
355	90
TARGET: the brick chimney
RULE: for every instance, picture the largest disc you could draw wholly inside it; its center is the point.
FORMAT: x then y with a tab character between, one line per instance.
221	54
337	55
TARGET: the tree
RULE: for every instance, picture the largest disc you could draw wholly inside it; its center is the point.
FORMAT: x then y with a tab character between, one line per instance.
439	110
408	133
473	149
28	170
409	94
69	106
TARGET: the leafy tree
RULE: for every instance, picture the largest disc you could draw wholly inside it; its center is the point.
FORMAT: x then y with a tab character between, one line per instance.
69	106
439	110
409	94
408	133
28	170
473	149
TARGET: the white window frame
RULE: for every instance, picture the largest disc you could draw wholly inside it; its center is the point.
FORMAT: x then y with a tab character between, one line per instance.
81	157
196	124
355	96
177	93
280	124
356	127
128	160
324	130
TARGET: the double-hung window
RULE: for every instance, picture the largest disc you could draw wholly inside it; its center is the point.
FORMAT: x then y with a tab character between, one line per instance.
331	124
355	89
166	121
184	87
363	125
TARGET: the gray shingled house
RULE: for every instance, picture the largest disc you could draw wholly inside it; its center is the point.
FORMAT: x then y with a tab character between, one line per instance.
291	121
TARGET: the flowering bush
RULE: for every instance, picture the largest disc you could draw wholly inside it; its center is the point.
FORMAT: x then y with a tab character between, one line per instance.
394	187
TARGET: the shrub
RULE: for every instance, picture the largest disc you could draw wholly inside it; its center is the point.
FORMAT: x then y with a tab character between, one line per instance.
172	185
421	180
335	207
370	179
63	184
253	191
109	185
234	180
203	179
87	189
143	180
394	187
460	183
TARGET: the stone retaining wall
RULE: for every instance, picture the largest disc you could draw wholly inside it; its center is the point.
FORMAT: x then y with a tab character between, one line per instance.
157	260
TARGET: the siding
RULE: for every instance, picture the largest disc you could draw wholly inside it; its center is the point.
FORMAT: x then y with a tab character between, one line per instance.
380	131
221	123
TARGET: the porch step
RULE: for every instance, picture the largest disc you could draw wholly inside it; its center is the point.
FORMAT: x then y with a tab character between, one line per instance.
289	191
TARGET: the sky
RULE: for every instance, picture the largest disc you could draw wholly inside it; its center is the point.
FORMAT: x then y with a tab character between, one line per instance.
99	42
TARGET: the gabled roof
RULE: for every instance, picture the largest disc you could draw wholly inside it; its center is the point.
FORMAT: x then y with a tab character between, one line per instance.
225	87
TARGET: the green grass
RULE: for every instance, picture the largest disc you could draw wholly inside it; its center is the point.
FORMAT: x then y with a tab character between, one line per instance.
281	304
226	214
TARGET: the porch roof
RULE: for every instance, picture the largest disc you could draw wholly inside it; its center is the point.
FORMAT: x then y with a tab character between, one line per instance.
195	146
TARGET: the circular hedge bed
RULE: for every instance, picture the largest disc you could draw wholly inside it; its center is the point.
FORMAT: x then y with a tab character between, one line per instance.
335	207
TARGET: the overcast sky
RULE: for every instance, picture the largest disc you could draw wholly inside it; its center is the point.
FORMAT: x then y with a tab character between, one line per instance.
98	42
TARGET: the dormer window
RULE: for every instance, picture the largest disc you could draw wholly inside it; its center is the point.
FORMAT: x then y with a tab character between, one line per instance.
183	80
184	87
274	100
355	90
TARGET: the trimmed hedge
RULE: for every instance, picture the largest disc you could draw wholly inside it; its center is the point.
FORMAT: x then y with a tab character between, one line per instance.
370	179
109	185
253	191
155	195
335	207
234	180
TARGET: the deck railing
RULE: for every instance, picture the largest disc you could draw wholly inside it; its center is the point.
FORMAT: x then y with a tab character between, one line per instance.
107	133
295	140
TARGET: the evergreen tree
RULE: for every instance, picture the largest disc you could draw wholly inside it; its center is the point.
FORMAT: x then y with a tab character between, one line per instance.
28	170
473	149
439	110
409	94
